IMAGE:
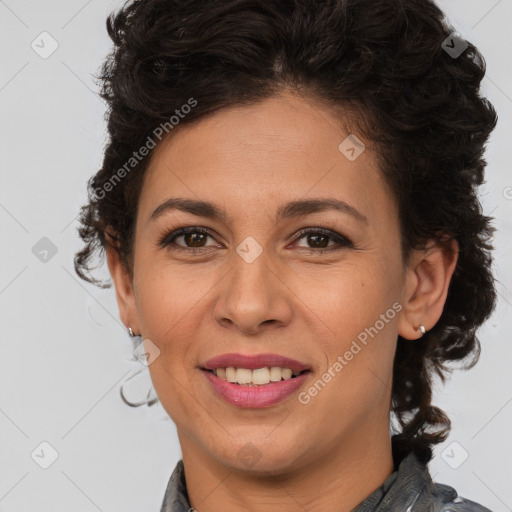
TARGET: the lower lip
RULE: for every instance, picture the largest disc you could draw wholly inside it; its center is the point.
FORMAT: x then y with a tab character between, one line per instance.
255	396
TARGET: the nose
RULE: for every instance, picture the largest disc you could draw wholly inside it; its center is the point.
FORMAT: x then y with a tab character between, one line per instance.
253	297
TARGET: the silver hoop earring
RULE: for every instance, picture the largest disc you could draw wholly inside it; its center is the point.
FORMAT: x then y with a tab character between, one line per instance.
136	341
149	401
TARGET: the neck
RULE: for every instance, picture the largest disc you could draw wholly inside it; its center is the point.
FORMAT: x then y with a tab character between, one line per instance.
337	480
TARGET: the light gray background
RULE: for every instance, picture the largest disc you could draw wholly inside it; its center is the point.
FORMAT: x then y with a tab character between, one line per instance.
64	352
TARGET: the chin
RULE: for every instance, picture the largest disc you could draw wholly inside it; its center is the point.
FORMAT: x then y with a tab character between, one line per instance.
261	456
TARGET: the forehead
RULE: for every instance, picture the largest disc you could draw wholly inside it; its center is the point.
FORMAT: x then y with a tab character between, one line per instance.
258	158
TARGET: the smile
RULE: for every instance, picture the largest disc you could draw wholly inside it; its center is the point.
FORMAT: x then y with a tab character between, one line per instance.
250	395
257	377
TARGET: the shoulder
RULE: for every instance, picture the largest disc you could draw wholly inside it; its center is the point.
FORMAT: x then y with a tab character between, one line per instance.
415	490
176	494
450	501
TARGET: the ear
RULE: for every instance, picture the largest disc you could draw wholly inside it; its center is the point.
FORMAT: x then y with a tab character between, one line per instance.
123	286
428	275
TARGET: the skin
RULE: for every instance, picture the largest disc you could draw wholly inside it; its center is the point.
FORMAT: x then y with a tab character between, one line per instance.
332	452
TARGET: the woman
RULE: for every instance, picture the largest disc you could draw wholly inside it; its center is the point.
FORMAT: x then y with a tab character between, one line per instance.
289	211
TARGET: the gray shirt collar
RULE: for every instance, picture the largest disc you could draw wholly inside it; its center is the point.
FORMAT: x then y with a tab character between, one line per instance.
408	489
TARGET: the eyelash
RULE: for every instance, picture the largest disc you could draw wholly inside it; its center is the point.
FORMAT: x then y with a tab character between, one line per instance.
167	241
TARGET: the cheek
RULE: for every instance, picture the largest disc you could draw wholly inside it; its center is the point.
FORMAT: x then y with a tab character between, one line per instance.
361	311
167	312
174	392
166	318
356	379
350	298
168	299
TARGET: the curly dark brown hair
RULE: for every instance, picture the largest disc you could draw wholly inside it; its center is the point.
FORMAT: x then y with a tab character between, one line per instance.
384	62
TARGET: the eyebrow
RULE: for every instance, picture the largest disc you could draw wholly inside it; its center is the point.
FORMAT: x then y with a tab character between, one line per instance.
290	210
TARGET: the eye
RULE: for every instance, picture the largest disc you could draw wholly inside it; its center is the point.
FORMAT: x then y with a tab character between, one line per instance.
193	237
319	238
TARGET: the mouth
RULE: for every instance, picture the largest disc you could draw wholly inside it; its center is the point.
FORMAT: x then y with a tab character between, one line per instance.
255	377
255	381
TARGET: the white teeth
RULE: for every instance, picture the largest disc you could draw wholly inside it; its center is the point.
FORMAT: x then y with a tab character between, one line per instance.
275	374
257	377
243	376
287	373
230	374
261	376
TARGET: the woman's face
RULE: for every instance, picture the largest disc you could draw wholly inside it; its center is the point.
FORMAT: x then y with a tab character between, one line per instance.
253	285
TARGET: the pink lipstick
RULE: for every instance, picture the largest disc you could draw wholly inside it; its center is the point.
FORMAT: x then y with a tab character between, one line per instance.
255	381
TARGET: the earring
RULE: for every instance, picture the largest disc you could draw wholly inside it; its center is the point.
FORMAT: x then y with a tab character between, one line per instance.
421	328
149	401
136	340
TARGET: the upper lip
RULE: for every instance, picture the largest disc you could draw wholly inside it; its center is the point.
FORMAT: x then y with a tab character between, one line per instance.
253	362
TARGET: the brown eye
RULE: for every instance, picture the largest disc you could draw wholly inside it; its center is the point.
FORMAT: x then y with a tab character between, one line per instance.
193	238
318	241
318	238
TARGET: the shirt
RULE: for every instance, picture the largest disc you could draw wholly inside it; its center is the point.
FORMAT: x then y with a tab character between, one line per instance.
408	489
